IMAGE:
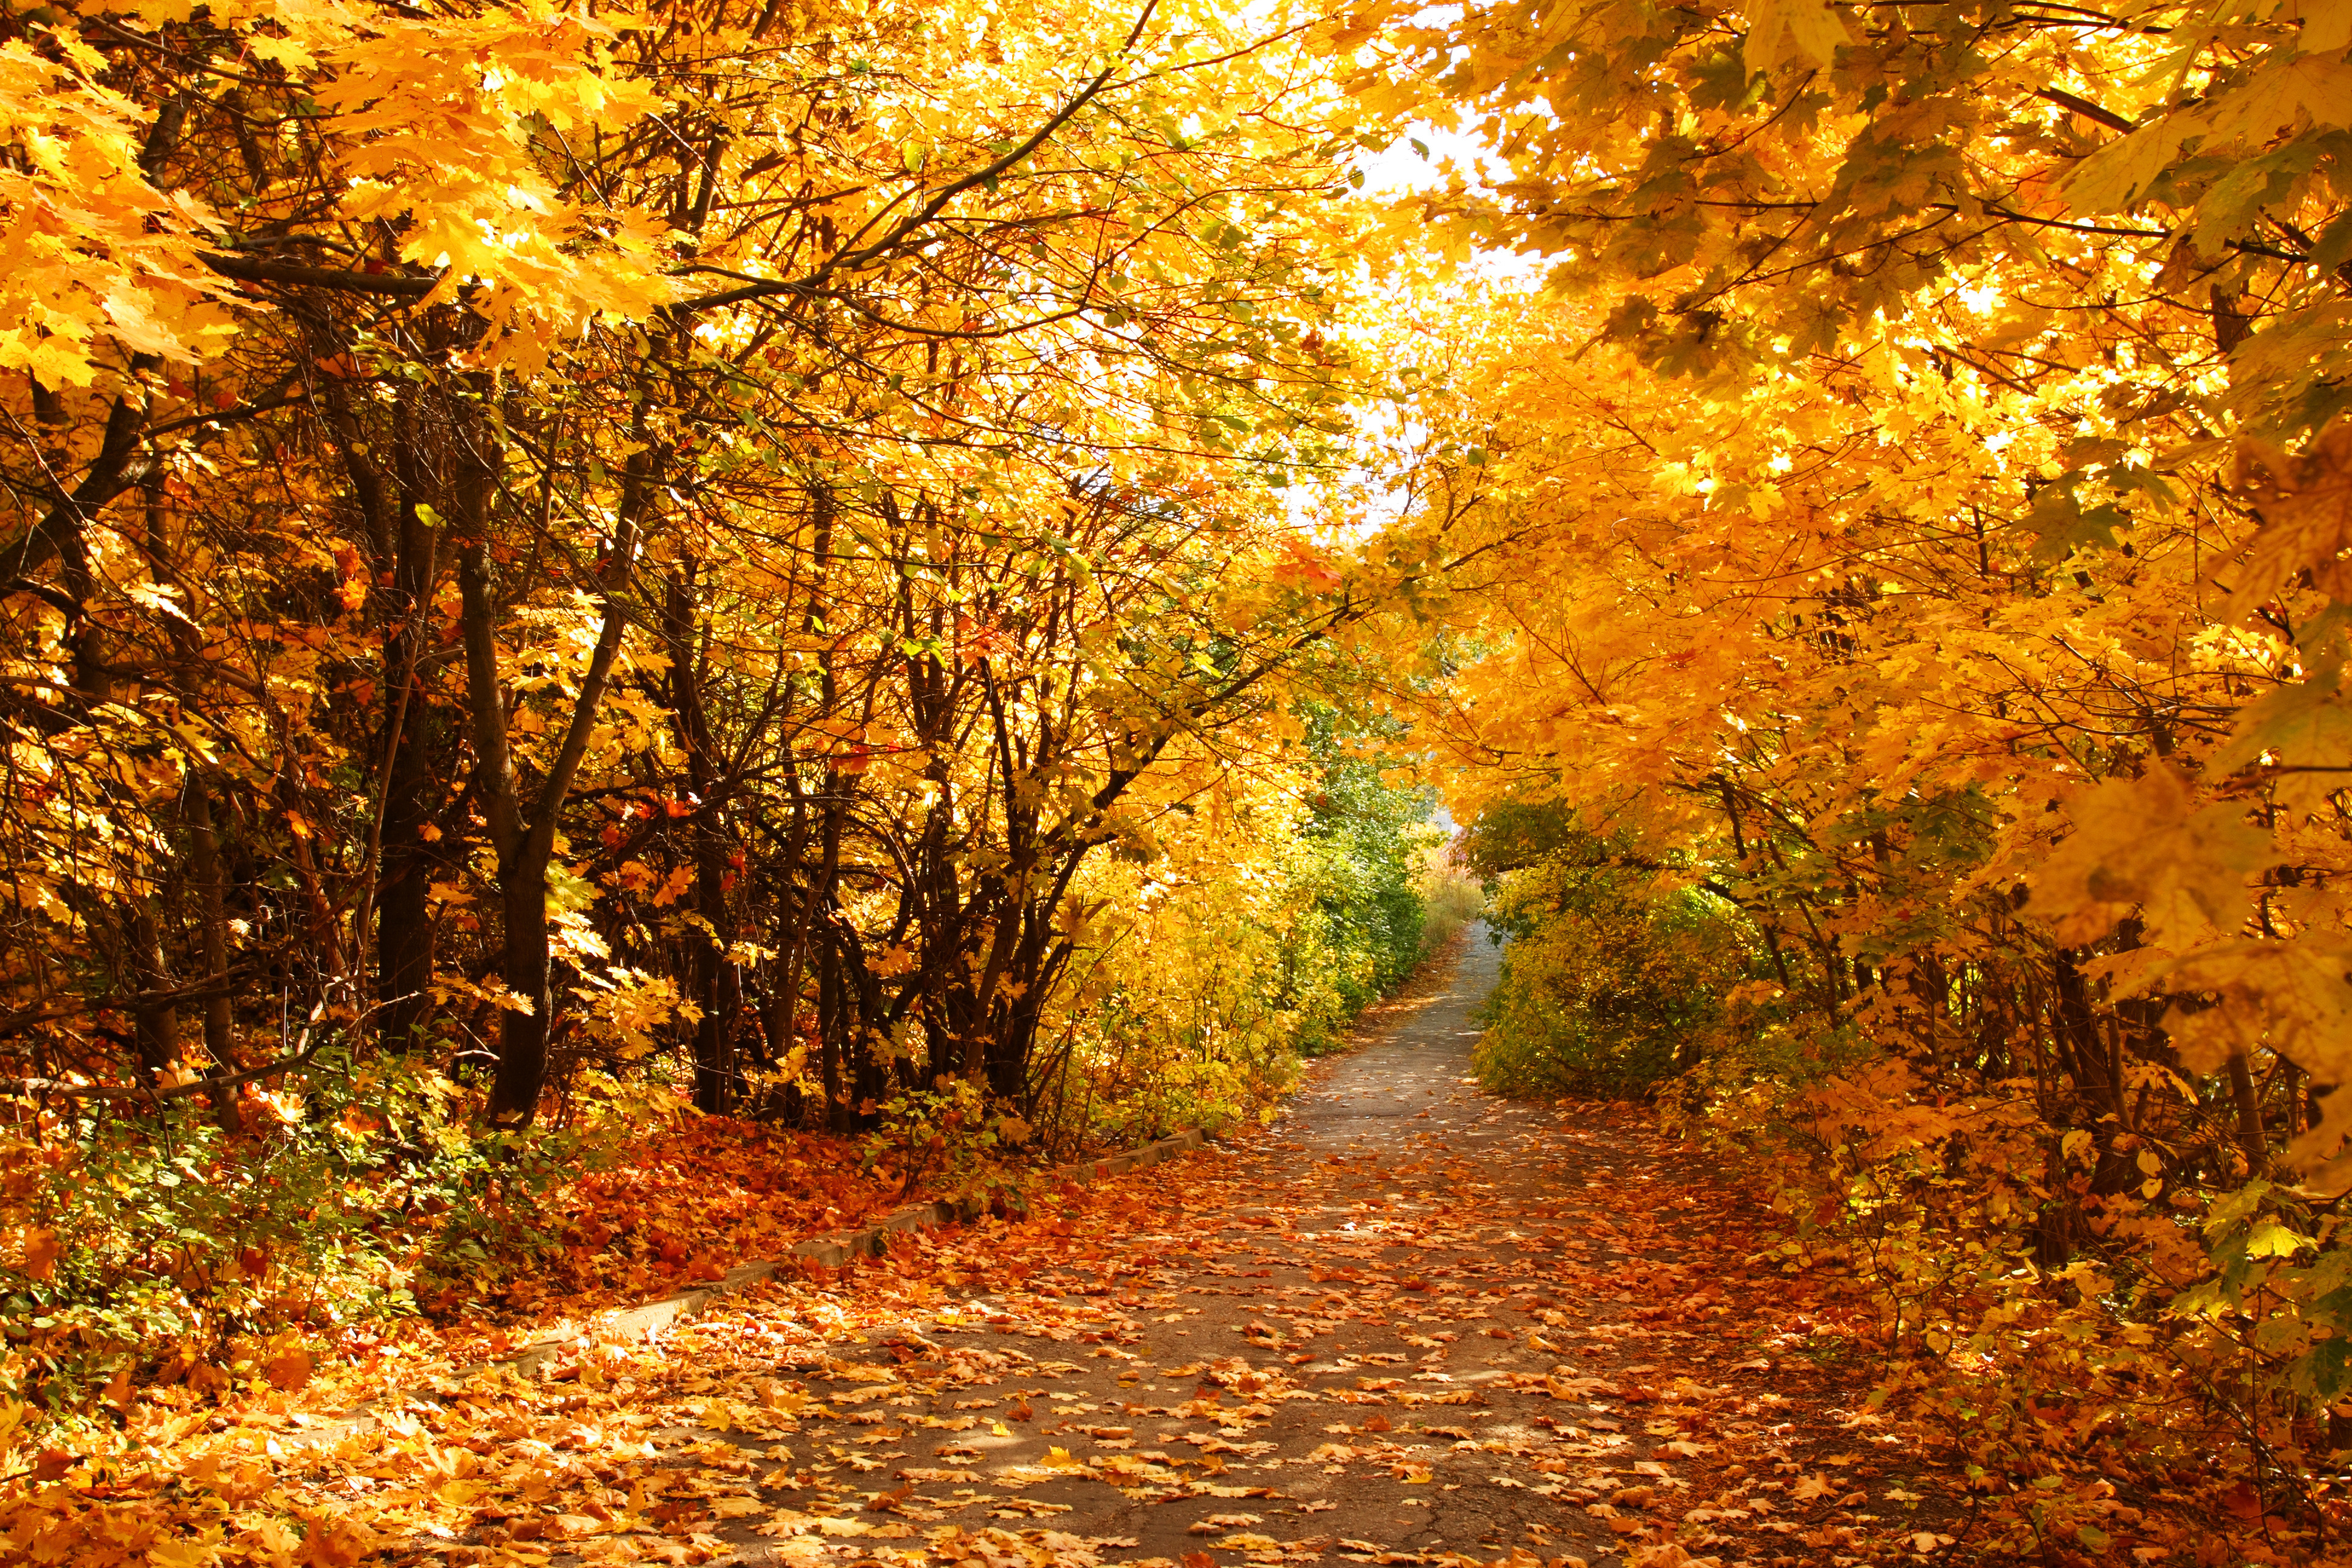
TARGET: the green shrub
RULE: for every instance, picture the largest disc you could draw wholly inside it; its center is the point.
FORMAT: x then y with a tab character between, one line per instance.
1364	847
152	1244
1262	933
1609	1001
1450	899
1619	973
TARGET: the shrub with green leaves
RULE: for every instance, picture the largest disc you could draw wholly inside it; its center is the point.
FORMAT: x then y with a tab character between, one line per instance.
1617	970
153	1244
1363	851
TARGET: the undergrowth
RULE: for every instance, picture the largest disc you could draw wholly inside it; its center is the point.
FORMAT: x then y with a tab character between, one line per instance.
2096	1320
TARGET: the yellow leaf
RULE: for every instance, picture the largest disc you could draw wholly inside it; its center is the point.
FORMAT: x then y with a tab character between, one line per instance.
2305	502
2292	995
288	52
2140	843
2327	25
1793	32
2269	1238
2305	729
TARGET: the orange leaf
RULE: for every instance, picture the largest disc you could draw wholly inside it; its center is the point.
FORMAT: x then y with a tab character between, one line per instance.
335	1544
41	1249
289	1370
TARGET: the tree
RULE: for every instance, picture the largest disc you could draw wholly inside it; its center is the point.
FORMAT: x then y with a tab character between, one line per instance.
645	411
1913	511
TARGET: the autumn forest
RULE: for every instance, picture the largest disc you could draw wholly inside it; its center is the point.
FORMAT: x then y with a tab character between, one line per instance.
629	636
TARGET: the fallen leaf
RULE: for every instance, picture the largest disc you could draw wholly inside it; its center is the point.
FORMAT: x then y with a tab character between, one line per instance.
288	1370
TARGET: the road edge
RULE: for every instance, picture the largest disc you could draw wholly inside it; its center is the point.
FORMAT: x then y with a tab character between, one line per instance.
650	1318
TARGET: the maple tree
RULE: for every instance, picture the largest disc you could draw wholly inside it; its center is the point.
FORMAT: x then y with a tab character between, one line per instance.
1902	532
805	554
549	543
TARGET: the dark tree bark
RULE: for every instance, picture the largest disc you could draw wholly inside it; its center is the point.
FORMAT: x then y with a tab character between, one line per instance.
523	835
711	983
212	925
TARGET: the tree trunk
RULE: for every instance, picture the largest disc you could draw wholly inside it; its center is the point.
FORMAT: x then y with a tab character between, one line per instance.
829	1030
524	963
522	888
212	915
412	785
708	979
156	1026
405	935
525	840
2253	1139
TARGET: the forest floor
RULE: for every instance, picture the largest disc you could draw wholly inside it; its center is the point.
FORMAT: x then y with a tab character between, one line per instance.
1406	1322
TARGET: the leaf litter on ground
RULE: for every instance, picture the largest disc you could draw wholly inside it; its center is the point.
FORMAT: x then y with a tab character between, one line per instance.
1517	1336
838	1421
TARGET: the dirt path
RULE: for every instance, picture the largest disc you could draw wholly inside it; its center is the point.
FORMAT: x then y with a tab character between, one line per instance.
1409	1322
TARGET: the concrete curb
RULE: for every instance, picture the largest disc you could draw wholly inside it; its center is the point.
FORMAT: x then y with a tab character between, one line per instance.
827	1251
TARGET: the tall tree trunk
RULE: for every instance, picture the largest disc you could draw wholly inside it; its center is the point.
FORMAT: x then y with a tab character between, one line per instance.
523	885
829	1011
524	840
525	961
155	1024
412	738
212	916
711	984
404	934
2253	1139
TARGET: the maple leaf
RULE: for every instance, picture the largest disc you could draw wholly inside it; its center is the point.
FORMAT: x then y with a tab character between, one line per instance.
2305	502
289	1369
2304	728
2296	995
2143	844
334	1541
1793	32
